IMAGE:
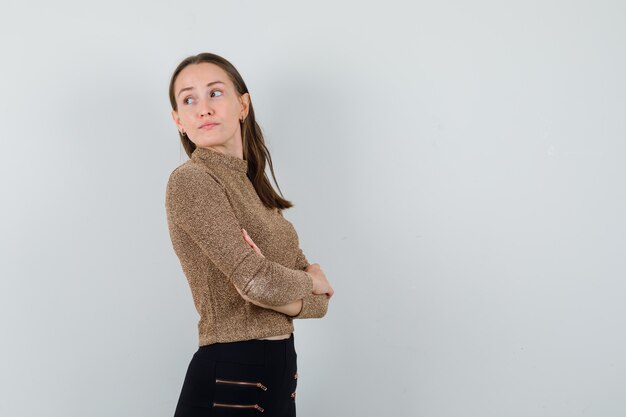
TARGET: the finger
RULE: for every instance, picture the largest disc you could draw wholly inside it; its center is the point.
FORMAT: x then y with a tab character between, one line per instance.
247	237
239	291
253	244
249	240
256	248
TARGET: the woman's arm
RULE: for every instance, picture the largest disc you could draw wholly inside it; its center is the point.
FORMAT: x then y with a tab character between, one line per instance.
311	306
291	309
198	204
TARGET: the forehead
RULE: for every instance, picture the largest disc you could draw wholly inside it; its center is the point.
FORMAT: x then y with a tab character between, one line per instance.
199	75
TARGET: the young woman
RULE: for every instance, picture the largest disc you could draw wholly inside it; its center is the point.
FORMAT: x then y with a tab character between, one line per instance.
247	274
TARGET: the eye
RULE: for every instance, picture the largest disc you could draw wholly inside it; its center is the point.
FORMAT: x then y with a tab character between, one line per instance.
185	100
215	91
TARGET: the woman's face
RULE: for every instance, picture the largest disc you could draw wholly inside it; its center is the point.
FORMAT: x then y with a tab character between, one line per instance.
204	94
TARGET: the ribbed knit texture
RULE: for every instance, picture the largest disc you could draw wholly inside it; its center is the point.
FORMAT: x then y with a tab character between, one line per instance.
208	200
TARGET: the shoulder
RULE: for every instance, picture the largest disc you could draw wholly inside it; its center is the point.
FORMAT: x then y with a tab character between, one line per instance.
188	169
193	184
191	174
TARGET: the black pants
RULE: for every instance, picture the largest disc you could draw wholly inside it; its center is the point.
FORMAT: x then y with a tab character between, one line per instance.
247	378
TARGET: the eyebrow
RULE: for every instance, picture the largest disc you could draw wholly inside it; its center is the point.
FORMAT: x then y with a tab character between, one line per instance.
191	88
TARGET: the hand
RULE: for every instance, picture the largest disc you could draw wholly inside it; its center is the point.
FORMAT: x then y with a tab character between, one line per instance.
320	282
250	242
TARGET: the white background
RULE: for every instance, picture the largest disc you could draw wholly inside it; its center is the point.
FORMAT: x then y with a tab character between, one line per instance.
457	169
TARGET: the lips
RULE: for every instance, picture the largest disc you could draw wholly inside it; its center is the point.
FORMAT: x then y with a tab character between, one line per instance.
207	125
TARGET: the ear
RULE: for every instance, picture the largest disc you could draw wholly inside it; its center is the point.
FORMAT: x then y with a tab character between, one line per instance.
245	103
179	126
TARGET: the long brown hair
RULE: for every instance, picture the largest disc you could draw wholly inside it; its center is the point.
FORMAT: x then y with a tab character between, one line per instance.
254	149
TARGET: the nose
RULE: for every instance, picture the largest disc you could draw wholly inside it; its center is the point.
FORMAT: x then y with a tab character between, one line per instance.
205	108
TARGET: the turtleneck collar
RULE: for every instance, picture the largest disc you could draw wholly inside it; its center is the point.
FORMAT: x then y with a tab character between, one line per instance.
215	157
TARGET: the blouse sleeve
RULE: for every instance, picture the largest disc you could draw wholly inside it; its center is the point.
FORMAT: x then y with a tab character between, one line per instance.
198	204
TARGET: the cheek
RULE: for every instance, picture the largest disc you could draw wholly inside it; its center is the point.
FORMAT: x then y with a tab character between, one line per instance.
188	120
231	111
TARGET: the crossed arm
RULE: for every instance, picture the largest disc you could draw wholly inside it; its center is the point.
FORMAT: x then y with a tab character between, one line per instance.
196	202
291	309
295	308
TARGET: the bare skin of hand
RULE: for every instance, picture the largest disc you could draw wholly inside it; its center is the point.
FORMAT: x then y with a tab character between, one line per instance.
320	282
290	309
